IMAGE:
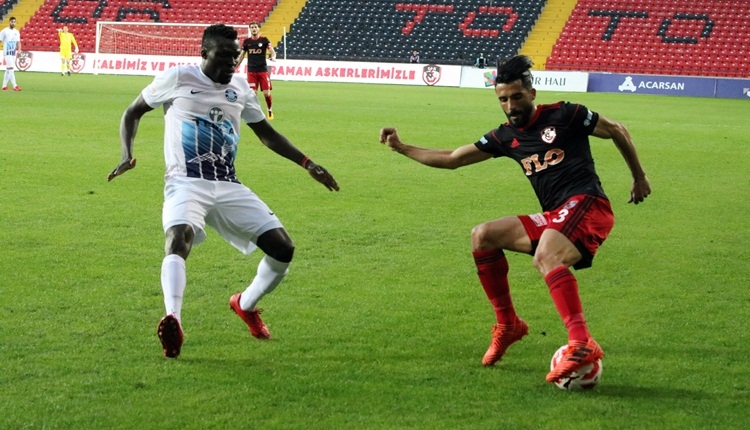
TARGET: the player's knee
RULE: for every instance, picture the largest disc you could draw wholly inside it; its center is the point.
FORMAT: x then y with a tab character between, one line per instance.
481	238
544	261
179	240
284	252
277	244
538	262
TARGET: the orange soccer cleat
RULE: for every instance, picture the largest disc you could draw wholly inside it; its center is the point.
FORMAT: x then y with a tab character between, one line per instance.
252	318
503	336
577	355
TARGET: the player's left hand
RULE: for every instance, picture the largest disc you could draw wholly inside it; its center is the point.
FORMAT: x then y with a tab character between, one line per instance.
640	190
76	50
320	174
121	168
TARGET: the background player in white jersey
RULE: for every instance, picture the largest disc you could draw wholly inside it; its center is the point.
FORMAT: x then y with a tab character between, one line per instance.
203	110
11	39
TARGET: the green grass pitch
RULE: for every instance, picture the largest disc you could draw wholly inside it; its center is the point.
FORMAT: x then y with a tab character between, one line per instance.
381	323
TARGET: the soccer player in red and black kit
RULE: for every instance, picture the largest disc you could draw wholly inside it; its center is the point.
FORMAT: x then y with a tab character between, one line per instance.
255	47
551	144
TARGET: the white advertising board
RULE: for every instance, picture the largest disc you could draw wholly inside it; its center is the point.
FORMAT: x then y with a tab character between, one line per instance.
544	80
308	70
282	70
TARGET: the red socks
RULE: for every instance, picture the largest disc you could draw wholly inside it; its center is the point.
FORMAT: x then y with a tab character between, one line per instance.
492	268
269	101
563	288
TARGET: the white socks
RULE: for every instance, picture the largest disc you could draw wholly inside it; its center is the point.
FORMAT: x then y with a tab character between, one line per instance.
173	281
174	278
10	75
270	274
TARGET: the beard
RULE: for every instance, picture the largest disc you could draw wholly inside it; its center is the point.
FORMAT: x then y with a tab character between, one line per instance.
519	117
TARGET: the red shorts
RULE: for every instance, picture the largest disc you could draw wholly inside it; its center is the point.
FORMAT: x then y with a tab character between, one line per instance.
585	220
260	80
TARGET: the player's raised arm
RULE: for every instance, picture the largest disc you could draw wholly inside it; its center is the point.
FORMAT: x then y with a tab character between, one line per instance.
128	129
439	158
608	129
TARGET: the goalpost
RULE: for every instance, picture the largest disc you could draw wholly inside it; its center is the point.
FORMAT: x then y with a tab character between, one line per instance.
153	38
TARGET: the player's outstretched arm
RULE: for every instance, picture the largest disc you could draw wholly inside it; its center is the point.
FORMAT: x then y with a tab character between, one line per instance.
439	158
608	129
128	129
279	144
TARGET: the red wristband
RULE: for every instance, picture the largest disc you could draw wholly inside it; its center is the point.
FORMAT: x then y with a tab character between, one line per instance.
304	162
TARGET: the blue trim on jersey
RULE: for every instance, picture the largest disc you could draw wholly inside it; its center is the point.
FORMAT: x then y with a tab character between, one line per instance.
10	48
210	149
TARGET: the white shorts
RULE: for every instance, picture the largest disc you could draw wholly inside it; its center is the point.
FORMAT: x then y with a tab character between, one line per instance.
231	209
10	62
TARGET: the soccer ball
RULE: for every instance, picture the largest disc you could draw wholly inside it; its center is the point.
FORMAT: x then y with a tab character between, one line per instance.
585	378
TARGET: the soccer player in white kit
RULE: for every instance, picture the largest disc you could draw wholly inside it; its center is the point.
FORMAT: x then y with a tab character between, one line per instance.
11	39
203	110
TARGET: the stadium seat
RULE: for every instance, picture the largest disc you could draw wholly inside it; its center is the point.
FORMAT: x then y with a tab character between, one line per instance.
83	17
646	45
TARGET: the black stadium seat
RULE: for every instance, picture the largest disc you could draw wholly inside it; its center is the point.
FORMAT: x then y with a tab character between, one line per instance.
390	30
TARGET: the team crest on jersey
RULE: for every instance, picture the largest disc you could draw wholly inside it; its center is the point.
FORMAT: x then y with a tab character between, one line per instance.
431	74
216	114
231	95
549	134
77	62
23	60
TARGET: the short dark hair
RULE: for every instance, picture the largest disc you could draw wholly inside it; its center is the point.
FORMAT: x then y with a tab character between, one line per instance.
218	31
515	68
254	22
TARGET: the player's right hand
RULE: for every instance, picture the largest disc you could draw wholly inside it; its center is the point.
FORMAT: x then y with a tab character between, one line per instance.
389	136
121	168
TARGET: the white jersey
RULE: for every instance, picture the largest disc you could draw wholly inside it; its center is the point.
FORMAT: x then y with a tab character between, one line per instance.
10	38
202	121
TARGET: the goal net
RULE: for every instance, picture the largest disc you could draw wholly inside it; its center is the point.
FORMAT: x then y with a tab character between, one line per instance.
154	38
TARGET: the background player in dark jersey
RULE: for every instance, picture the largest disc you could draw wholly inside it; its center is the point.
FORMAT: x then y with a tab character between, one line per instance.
550	142
254	48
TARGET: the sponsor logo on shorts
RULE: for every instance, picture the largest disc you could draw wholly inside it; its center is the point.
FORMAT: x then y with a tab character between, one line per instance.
571	204
539	219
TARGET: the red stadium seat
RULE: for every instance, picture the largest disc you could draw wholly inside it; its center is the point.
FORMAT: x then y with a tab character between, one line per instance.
638	46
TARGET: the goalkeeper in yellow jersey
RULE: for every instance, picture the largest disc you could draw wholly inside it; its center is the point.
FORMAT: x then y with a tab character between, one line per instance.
66	40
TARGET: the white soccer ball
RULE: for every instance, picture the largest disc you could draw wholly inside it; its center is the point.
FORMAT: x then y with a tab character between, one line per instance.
585	378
